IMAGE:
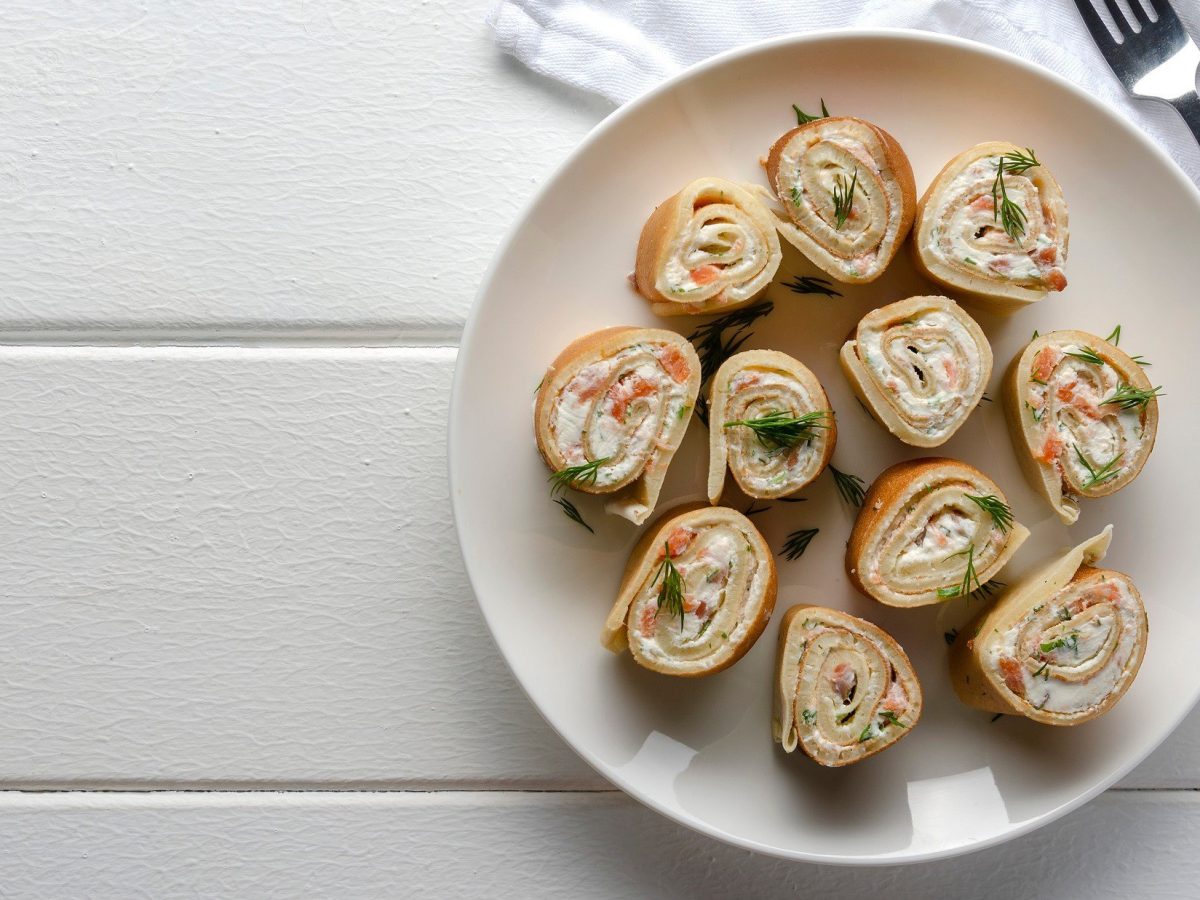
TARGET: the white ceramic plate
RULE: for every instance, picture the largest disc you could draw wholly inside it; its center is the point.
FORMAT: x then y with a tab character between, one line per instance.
701	751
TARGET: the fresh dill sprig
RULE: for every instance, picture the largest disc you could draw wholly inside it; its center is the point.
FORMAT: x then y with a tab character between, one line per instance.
754	509
964	588
803	118
1011	216
571	512
1019	163
851	488
797	542
808	284
985	590
1000	511
843	197
809	716
573	476
1129	397
712	345
1114	336
1088	355
891	717
670	593
1105	473
1141	360
778	430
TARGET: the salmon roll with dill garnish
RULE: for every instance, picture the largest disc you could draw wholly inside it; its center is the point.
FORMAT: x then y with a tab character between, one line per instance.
931	529
993	224
1083	417
612	410
844	689
697	592
1061	647
710	248
770	423
846	195
920	366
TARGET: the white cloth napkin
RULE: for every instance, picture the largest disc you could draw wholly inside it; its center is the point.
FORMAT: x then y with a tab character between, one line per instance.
620	48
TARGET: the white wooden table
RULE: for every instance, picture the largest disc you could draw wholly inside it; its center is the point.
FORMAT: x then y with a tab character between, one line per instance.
239	652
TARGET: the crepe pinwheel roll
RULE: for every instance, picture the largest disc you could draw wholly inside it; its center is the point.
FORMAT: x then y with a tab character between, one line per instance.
930	529
844	690
1083	417
710	248
920	365
846	195
770	423
611	412
999	235
1059	647
698	590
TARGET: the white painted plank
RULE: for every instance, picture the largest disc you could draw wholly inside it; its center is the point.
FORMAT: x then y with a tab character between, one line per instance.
231	566
526	845
229	166
236	567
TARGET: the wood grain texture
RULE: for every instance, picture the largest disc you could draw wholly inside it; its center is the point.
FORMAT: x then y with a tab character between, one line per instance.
230	566
530	846
247	168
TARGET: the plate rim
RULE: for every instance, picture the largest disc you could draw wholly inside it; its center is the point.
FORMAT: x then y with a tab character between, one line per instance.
454	452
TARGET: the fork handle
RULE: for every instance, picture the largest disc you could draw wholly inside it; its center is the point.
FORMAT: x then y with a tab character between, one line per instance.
1189	107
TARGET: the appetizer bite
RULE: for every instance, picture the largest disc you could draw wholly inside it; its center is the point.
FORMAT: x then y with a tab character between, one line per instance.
844	690
770	423
697	592
1083	417
846	195
994	225
930	529
920	366
611	411
710	248
1060	647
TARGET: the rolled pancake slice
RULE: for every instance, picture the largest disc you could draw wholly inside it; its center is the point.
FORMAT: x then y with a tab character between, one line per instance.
710	248
929	530
697	592
770	424
960	239
611	412
844	689
920	366
1082	415
1061	647
845	193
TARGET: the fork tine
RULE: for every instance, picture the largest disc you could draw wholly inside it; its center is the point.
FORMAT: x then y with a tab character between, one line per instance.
1091	18
1118	17
1139	14
1163	10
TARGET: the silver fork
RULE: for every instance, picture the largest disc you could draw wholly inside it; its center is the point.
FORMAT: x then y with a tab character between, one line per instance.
1157	62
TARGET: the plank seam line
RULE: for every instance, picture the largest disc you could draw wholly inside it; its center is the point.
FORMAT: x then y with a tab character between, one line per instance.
379	337
10	791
